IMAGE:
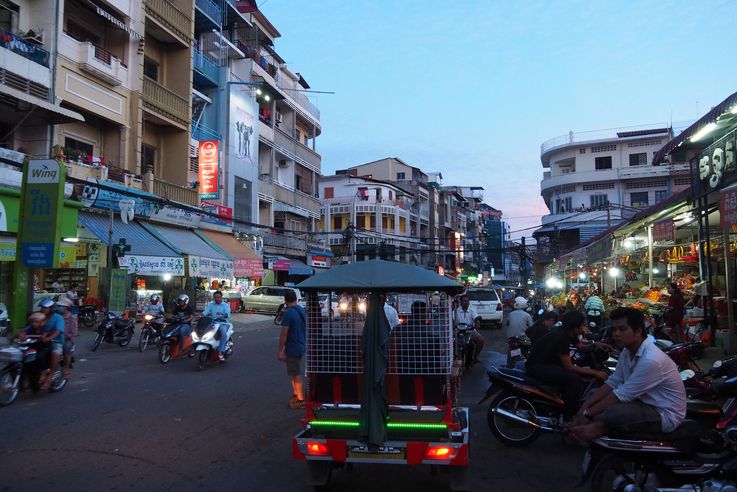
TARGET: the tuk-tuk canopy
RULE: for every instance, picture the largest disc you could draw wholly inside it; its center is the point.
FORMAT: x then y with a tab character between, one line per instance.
378	275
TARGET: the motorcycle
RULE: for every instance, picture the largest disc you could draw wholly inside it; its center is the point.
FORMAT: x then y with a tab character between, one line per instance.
27	360
151	331
87	315
4	320
717	485
206	340
635	462
518	350
524	407
466	345
114	330
169	346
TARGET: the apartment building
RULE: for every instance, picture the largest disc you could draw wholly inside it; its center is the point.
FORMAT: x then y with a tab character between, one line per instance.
27	67
594	180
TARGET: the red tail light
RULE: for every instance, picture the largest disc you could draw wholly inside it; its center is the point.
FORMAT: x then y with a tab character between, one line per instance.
439	453
317	449
499	307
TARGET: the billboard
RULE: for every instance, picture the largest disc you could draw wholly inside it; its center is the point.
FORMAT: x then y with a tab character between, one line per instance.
209	173
243	133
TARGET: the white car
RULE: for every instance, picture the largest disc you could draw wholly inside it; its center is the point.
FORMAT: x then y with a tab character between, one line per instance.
325	311
487	304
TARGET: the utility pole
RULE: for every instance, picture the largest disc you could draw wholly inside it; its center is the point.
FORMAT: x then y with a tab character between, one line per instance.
523	262
608	216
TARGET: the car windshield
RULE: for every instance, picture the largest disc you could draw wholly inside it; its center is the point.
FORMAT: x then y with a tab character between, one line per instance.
482	295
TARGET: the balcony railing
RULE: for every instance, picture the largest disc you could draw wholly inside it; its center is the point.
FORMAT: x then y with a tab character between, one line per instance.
595	135
20	46
205	66
202	132
93	59
176	193
210	9
297	149
165	101
167	14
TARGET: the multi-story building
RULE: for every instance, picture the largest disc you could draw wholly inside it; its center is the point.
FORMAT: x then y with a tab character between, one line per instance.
380	212
498	244
594	180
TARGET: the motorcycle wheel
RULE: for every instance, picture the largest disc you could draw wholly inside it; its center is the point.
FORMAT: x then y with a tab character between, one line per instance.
127	340
143	339
279	315
9	387
98	340
615	472
165	352
202	359
88	320
58	382
505	430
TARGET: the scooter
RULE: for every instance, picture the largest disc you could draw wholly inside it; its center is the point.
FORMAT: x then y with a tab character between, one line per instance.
206	340
27	360
151	331
466	345
169	348
114	330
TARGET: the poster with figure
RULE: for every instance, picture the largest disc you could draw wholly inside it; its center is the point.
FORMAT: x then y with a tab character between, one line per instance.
243	131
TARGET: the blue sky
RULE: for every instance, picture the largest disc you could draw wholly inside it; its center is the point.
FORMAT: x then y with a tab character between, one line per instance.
472	88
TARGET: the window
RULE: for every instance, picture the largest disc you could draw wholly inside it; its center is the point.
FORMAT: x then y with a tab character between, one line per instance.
78	147
400	177
603	148
8	16
242	206
645	143
303	180
329	192
661	195
603	163
599	201
297	135
150	69
564	205
598	186
639	199
682	181
148	159
582	150
639	159
80	33
568	188
652	183
337	223
361	221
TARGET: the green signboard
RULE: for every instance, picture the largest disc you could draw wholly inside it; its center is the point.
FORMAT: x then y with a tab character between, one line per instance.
10	213
118	290
42	203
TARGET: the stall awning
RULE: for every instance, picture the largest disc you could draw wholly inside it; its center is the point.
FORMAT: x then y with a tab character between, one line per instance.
246	262
203	259
298	267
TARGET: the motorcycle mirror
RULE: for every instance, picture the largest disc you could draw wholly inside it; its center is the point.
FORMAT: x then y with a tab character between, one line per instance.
686	374
717	364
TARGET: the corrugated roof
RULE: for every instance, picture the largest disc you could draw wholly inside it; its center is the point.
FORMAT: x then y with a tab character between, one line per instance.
141	241
187	242
231	245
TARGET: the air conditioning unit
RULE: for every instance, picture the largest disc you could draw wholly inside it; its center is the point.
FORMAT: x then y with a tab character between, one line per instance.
278	117
283	163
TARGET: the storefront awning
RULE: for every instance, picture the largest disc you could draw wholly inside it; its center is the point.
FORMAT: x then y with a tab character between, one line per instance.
246	262
298	267
46	111
203	259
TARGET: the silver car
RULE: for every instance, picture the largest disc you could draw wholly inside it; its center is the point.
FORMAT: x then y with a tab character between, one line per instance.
267	299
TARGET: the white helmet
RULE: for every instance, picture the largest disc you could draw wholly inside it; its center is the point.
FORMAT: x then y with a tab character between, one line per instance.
520	303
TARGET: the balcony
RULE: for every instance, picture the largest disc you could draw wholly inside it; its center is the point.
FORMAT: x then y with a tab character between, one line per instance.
174	25
25	48
94	60
176	193
208	14
644	171
579	177
166	103
206	71
296	150
202	132
290	196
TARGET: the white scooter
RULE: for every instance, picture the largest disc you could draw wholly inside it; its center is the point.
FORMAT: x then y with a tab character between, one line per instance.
206	340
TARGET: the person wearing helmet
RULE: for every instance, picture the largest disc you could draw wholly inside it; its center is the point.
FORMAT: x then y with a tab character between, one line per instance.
35	330
154	307
184	311
219	310
71	330
54	334
519	320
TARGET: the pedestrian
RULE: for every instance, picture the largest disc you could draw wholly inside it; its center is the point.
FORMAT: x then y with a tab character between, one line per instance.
73	295
57	286
674	312
71	330
293	345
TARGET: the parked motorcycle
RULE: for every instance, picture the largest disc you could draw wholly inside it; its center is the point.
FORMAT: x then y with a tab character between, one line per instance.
87	315
465	344
169	347
26	360
206	340
691	453
151	331
114	330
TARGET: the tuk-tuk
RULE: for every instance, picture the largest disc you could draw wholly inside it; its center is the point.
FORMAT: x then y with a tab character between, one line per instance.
377	393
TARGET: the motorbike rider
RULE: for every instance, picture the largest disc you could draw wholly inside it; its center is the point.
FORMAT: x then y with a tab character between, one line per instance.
518	320
154	307
71	330
644	395
542	326
220	311
550	361
54	334
594	309
185	312
35	330
467	315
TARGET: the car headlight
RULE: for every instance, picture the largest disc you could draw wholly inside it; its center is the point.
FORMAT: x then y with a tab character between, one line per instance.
362	307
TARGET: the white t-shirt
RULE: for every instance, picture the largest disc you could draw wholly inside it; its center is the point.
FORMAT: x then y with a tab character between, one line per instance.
391	315
466	317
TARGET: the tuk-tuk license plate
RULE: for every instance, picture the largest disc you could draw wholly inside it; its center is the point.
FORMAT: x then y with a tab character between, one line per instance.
516	352
382	453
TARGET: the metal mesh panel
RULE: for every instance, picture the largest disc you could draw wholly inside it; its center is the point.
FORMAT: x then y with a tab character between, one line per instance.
420	345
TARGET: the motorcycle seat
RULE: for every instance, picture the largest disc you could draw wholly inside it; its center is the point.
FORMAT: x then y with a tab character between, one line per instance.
700	408
684	437
527	379
124	323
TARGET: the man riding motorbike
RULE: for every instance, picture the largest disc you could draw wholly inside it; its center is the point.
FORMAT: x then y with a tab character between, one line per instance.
594	309
542	326
518	320
219	310
644	395
154	307
185	312
550	361
54	334
467	315
35	330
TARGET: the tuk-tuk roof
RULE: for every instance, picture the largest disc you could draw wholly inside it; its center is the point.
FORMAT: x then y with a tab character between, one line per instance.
376	275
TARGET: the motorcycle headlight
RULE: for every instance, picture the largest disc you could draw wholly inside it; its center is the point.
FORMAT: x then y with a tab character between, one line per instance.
148	317
343	306
208	336
362	307
195	336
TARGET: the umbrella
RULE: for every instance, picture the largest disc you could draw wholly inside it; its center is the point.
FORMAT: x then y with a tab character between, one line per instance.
375	350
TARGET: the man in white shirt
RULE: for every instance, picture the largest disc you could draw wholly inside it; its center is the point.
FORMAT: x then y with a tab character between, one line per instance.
466	315
391	314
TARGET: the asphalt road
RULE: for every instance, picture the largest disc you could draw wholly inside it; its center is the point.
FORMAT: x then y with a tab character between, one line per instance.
124	421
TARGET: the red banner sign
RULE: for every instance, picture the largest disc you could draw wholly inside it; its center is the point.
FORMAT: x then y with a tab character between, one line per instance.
319	261
728	210
247	267
663	230
279	265
224	214
208	169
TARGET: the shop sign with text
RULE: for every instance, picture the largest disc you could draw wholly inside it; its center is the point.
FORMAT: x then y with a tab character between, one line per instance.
208	169
199	266
279	265
319	261
152	265
224	214
728	210
248	267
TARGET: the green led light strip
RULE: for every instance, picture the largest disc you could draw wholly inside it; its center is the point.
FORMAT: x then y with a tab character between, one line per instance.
390	425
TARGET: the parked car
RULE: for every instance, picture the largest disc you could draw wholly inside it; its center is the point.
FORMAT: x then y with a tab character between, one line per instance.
488	305
267	299
328	311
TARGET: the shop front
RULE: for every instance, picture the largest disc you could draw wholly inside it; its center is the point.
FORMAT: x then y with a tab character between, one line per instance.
277	270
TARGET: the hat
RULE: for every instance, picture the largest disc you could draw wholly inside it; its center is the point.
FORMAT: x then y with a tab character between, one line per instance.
65	302
520	303
37	317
